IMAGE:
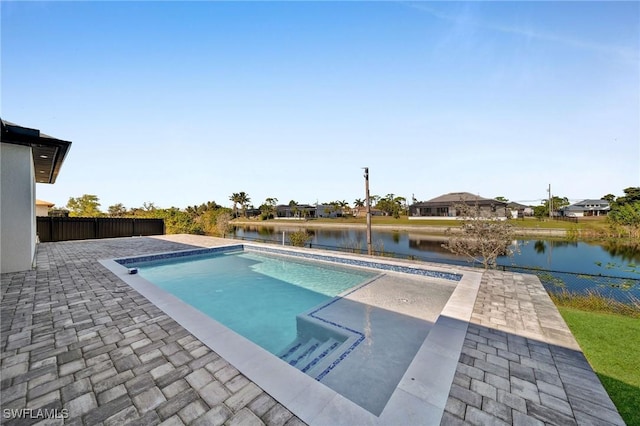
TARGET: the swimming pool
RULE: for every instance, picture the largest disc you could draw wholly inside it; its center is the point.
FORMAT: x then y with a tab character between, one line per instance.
256	295
397	335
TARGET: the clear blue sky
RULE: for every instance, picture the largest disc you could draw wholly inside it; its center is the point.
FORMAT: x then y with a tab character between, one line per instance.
181	103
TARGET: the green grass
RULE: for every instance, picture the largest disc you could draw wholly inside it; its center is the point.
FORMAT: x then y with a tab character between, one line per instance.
611	343
594	302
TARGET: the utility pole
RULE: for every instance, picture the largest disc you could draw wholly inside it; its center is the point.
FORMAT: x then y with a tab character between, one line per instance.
550	201
366	187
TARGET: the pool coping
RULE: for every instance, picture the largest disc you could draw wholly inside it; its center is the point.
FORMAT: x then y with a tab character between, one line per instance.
421	394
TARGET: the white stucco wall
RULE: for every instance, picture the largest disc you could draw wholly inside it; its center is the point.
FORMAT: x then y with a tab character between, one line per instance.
17	208
42	210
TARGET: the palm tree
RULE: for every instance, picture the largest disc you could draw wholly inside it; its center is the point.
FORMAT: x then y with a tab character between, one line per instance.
269	207
235	198
271	201
344	205
244	200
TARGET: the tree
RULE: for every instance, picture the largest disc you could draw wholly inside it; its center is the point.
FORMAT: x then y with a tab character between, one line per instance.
344	206
223	221
391	205
244	200
299	238
176	221
235	198
481	238
217	222
610	198
358	204
293	208
541	211
149	206
501	198
556	204
85	206
627	217
402	203
117	210
197	211
268	208
631	195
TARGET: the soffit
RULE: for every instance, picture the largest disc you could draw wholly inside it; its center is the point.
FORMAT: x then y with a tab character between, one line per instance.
48	152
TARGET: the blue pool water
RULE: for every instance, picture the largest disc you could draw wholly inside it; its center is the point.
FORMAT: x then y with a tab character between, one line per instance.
256	295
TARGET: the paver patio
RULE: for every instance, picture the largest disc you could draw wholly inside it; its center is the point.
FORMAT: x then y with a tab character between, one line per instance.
76	338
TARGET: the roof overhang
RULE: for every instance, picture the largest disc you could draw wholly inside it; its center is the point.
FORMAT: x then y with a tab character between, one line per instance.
479	202
48	152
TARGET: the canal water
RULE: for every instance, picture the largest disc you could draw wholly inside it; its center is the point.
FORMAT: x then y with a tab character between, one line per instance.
571	265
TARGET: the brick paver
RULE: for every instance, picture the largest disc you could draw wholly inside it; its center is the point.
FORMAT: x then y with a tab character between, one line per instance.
522	360
74	337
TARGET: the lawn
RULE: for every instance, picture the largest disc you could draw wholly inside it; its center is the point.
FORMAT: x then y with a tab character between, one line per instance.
611	343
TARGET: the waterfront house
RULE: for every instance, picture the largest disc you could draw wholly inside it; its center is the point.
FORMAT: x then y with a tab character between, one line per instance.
586	208
519	210
444	206
298	211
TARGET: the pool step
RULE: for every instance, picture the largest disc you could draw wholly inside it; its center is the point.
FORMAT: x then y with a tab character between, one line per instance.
304	355
322	353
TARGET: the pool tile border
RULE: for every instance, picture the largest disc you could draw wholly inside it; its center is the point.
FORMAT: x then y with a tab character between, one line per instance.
133	260
291	252
360	262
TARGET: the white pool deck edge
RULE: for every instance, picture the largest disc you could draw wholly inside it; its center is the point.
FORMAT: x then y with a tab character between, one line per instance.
420	396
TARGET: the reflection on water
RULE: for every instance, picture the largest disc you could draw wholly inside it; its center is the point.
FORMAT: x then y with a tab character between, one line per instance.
265	232
396	237
629	252
428	245
609	258
563	243
586	266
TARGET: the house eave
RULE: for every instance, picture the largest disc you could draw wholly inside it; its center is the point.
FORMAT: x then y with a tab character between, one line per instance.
48	153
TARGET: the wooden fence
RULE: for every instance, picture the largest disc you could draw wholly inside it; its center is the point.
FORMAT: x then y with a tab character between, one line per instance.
85	228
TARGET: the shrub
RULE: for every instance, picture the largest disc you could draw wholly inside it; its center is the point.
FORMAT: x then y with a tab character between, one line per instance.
483	236
299	238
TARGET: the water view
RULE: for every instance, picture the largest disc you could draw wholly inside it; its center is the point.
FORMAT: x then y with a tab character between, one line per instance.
560	264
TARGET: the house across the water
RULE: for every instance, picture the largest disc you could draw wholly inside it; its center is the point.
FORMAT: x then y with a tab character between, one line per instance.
444	206
586	208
